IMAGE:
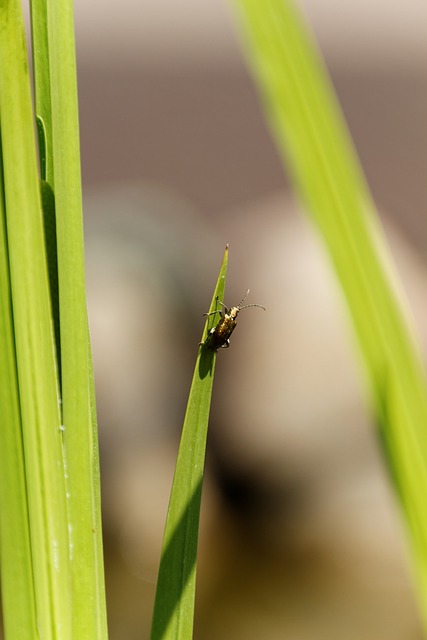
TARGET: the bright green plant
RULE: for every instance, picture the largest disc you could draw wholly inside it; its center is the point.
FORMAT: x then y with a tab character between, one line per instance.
308	128
50	524
50	527
310	133
174	604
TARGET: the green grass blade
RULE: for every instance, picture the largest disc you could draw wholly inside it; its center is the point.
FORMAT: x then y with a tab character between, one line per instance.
312	137
57	116
16	565
34	358
174	605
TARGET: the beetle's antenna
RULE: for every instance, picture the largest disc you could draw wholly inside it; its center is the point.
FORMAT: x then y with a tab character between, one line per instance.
243	299
252	305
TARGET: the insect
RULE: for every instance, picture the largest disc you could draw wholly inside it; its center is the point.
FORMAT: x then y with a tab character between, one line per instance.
219	336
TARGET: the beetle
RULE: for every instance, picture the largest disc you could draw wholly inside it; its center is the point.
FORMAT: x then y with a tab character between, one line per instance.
219	336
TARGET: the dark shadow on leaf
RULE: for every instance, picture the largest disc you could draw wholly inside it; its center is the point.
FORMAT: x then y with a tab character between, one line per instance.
177	565
207	358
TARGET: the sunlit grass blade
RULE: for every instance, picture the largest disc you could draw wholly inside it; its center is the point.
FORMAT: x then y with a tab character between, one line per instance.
57	116
174	605
34	360
312	137
16	566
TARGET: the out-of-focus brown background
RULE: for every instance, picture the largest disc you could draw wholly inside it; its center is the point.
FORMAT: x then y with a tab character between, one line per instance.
301	537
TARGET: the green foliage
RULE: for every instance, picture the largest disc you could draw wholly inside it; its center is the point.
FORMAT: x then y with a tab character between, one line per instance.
50	525
311	136
174	604
57	117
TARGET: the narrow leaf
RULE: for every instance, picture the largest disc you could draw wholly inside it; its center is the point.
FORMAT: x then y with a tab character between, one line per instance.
34	358
174	605
15	547
57	117
311	135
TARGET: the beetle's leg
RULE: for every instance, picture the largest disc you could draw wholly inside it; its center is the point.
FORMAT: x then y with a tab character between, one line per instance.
206	344
226	345
222	304
207	337
212	313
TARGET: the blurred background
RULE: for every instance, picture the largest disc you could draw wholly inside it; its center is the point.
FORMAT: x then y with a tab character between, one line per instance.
301	537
